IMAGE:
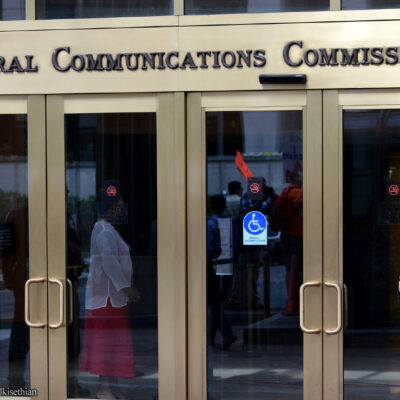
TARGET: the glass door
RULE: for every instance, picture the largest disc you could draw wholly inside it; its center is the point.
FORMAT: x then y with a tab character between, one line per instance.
361	244
254	242
116	247
23	264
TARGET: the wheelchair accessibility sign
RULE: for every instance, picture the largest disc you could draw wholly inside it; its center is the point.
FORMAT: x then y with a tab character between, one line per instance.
255	229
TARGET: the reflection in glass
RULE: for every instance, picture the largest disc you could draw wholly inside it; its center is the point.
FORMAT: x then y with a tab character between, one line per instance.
368	4
12	10
371	254
254	339
112	255
252	6
14	259
61	9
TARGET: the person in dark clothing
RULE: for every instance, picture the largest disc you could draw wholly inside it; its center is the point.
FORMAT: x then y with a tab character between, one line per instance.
216	317
244	294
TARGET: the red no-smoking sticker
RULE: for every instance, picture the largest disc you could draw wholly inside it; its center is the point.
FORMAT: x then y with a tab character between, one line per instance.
111	191
254	188
394	190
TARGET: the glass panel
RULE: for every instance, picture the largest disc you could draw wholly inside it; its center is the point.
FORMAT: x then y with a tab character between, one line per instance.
254	254
368	4
371	249
61	9
14	259
12	10
112	255
252	6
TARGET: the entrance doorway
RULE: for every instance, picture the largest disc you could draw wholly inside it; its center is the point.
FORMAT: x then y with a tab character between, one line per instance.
313	317
348	301
82	175
361	135
247	286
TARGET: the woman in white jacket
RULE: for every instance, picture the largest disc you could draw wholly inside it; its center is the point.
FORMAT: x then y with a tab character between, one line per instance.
107	349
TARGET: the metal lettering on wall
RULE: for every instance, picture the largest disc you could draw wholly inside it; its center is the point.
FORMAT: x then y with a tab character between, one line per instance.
191	58
208	59
340	56
159	60
136	61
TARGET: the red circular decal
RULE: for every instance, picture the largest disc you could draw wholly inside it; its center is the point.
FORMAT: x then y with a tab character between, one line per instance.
111	191
394	190
254	188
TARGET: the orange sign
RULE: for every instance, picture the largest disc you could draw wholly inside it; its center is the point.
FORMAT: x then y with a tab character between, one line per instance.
242	166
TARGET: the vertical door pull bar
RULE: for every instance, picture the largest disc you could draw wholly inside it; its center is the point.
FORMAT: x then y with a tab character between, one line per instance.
339	308
302	290
61	286
346	307
28	322
71	303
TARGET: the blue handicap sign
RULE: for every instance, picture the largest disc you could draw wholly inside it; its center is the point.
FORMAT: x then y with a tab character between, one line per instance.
255	223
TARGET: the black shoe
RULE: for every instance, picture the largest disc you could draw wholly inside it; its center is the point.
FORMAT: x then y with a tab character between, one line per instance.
227	342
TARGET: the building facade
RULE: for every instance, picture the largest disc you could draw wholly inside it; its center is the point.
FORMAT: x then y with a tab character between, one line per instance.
199	199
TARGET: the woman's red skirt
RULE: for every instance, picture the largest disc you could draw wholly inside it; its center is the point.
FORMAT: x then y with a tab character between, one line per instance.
107	348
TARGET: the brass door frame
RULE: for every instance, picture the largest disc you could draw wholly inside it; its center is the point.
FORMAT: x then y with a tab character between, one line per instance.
335	101
34	108
37	194
198	104
171	212
333	354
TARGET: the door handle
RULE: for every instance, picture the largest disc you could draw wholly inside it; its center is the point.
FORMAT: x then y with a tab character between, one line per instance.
346	307
28	322
61	287
339	308
71	305
302	290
